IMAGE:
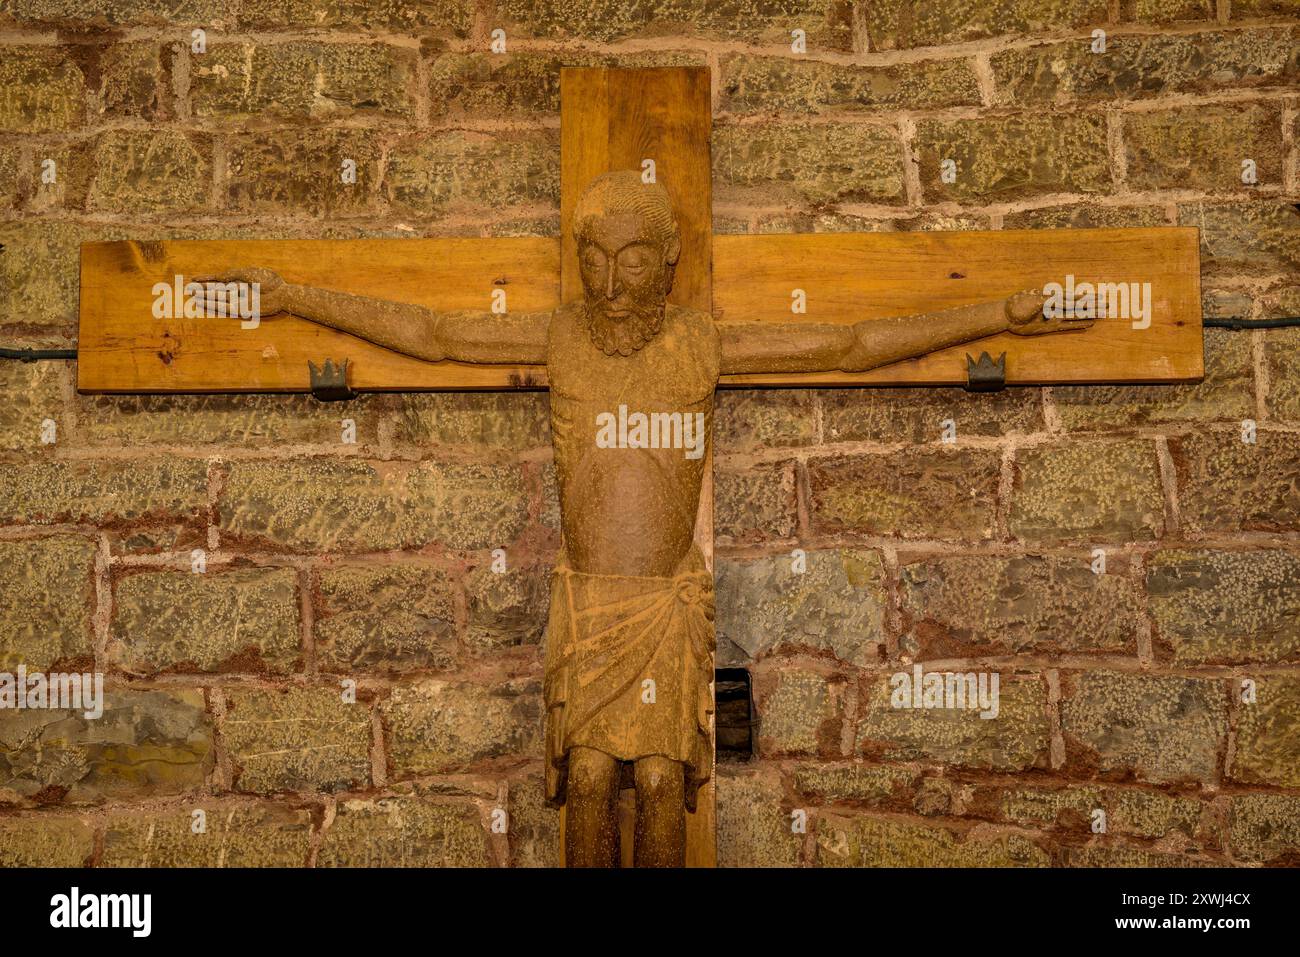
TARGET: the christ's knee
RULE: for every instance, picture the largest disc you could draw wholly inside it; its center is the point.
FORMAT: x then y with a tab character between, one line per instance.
593	777
660	781
591	827
660	813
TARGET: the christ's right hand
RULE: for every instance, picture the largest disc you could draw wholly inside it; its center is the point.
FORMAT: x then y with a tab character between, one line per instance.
272	290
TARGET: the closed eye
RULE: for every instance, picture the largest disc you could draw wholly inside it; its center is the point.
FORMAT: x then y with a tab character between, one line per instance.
635	260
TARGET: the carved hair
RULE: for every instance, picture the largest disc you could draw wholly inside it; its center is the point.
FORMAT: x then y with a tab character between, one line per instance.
622	191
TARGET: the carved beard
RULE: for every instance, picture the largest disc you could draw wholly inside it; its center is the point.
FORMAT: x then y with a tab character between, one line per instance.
625	336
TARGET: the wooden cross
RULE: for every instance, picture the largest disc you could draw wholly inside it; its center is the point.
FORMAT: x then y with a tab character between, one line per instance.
657	121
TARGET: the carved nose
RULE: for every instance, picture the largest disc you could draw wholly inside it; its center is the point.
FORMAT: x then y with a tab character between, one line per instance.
610	291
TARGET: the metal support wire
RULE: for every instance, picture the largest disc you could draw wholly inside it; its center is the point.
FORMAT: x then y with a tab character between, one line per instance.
1234	322
36	355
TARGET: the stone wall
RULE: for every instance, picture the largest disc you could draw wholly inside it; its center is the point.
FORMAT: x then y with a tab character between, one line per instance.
371	561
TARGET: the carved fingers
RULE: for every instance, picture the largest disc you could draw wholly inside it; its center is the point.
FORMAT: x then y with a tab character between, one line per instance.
265	287
1026	316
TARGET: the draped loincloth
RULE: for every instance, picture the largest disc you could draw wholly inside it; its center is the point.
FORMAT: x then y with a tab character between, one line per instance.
607	635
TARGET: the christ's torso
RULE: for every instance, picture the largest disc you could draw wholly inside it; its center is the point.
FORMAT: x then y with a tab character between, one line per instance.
631	436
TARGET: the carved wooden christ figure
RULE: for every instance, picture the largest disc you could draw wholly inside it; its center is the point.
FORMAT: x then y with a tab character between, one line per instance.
630	640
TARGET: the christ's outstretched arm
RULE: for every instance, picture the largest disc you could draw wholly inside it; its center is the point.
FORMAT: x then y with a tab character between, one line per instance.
820	347
412	330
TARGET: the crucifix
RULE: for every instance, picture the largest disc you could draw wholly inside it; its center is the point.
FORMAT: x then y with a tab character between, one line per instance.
633	320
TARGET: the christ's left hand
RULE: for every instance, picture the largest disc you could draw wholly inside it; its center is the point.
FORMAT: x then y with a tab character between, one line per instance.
1025	316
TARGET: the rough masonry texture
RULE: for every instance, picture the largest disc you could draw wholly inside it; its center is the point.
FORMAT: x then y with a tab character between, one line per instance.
350	682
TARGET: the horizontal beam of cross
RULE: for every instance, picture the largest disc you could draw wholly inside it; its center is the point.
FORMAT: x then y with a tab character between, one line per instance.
844	278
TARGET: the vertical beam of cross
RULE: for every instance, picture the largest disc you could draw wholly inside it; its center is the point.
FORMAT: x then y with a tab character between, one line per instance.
613	119
656	120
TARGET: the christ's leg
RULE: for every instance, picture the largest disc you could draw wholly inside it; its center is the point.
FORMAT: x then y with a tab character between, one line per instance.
660	813
591	810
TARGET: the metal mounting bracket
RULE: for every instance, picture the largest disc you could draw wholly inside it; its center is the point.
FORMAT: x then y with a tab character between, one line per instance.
330	384
986	374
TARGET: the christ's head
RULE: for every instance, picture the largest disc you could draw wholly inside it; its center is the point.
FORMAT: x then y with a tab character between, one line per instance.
628	245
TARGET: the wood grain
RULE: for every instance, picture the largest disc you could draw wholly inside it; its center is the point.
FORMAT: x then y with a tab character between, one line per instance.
123	348
851	277
612	119
847	277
